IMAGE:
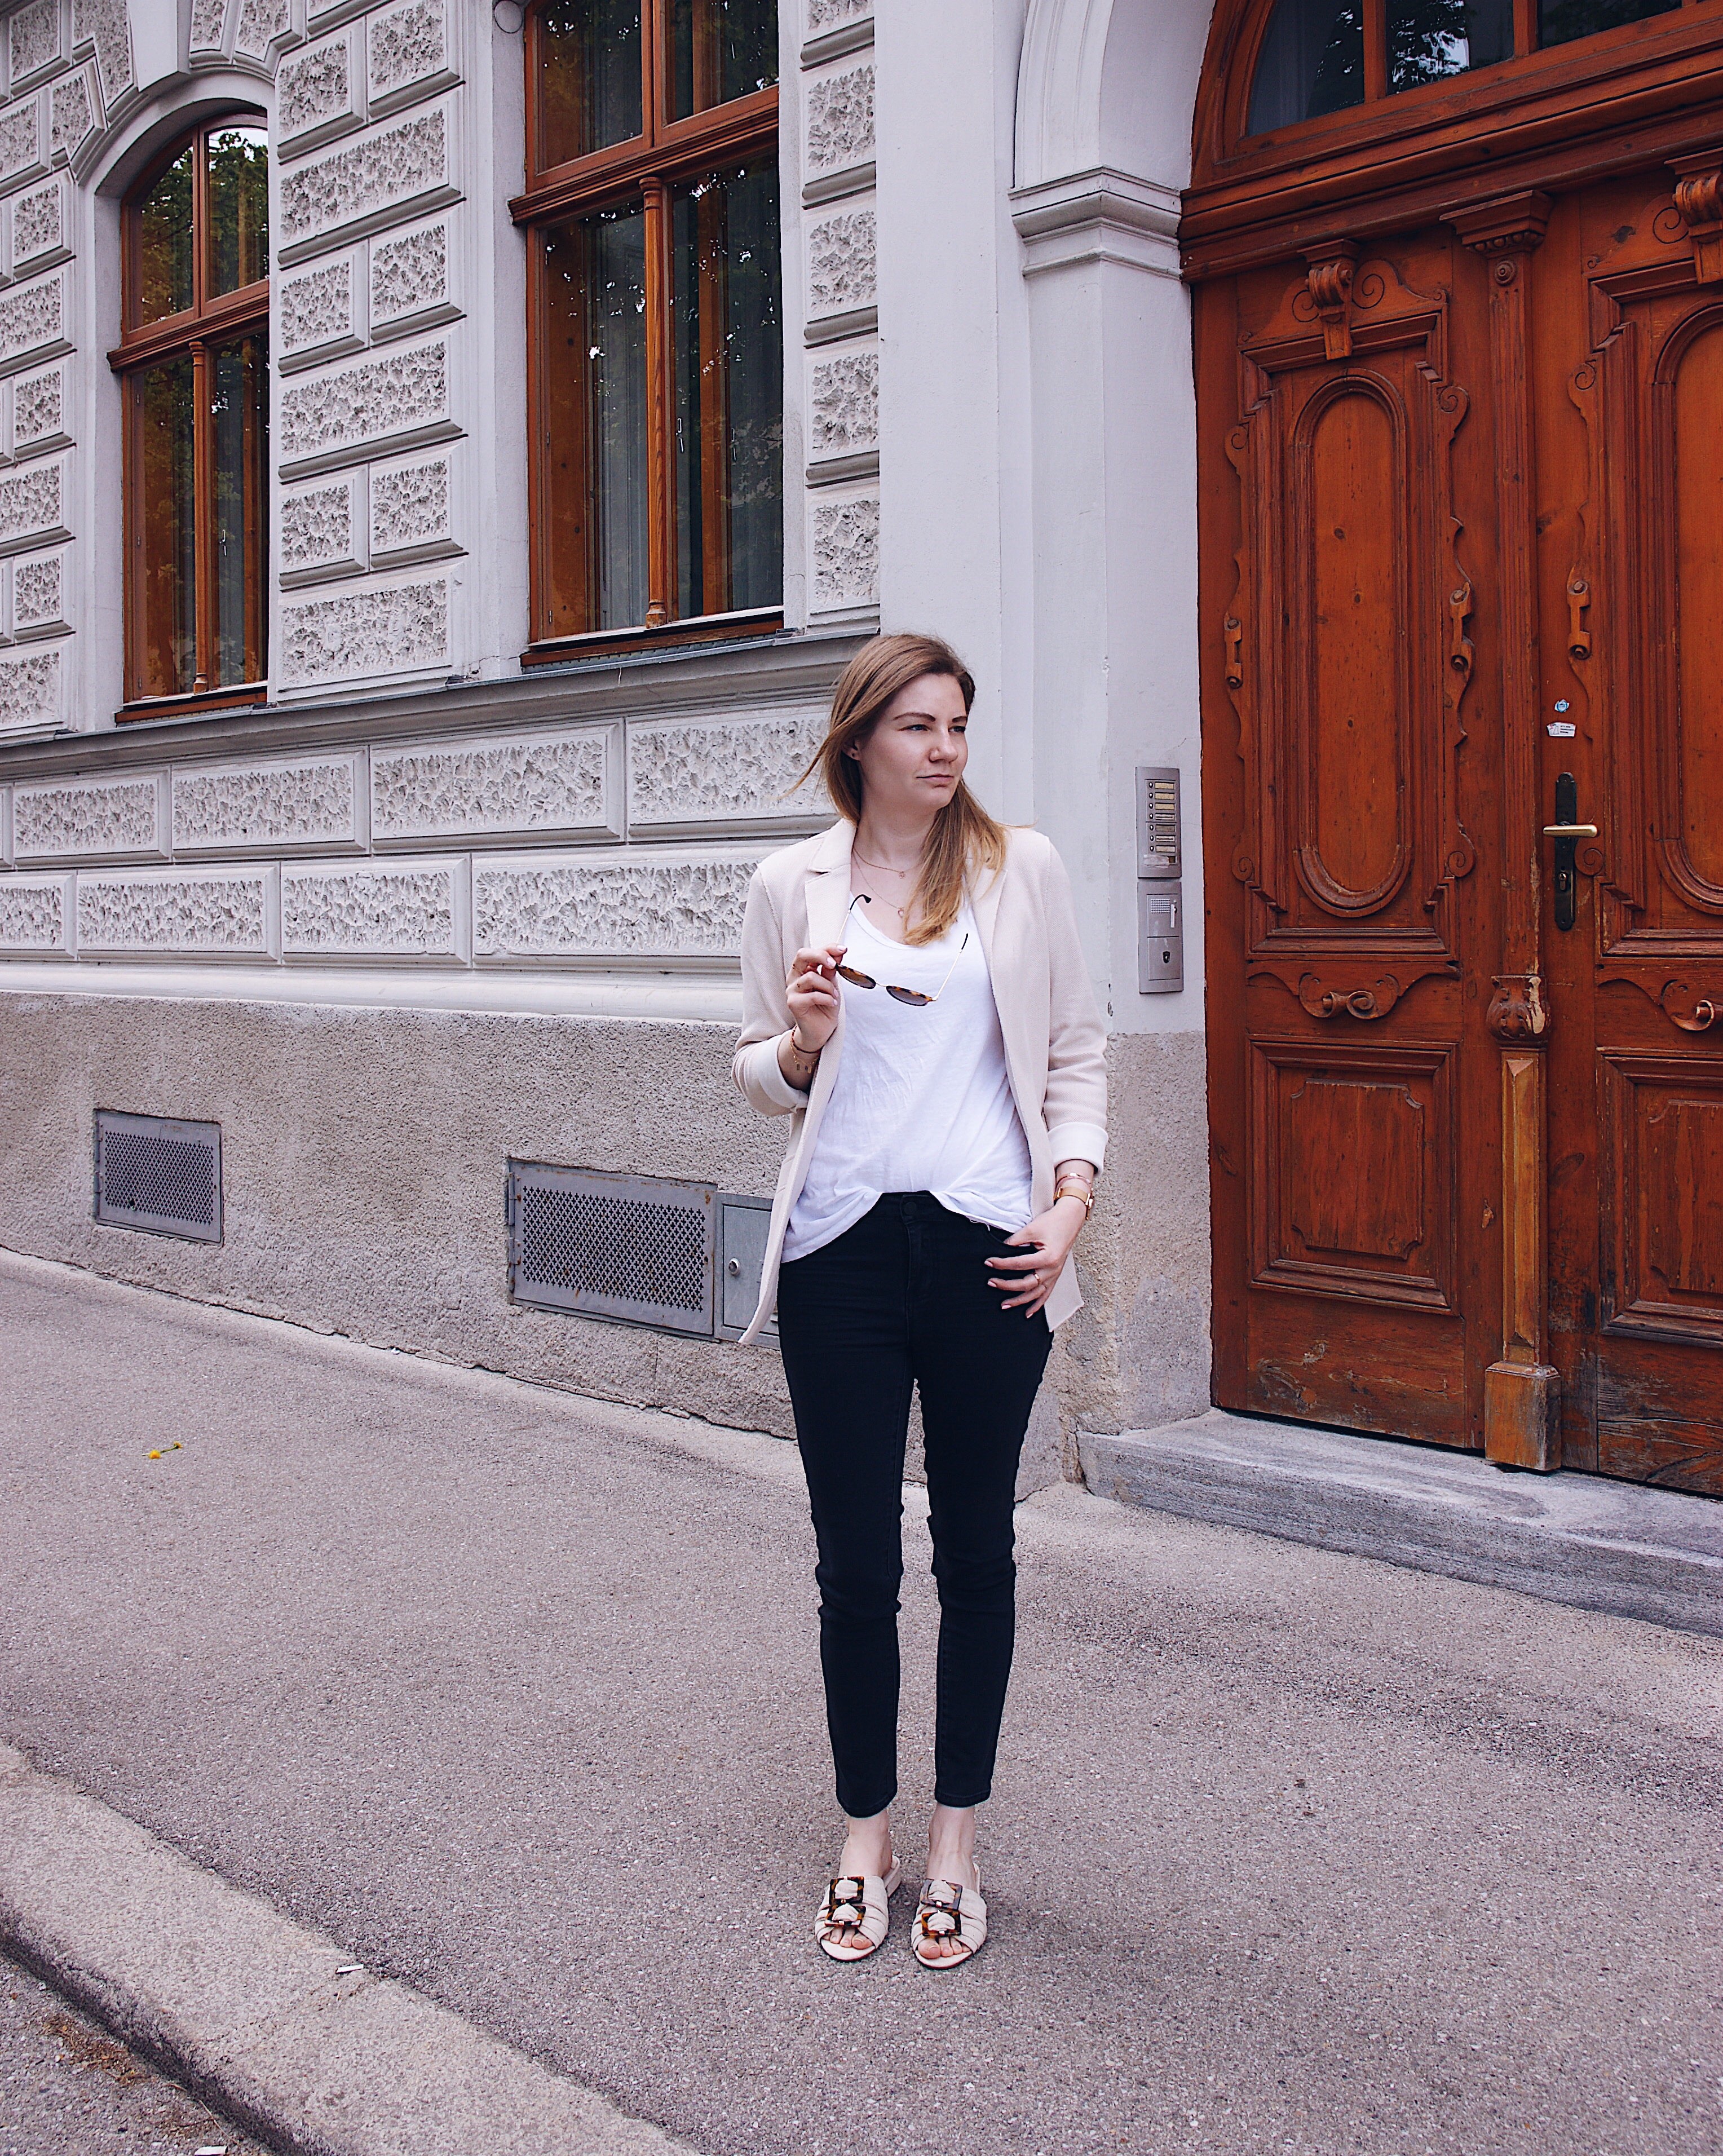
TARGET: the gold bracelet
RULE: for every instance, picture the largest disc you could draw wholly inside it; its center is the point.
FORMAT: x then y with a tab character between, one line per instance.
1084	1193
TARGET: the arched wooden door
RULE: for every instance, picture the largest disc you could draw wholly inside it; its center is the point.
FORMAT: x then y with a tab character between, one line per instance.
1458	276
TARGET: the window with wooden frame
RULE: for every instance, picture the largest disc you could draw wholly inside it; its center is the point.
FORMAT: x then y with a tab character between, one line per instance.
1322	56
655	330
193	359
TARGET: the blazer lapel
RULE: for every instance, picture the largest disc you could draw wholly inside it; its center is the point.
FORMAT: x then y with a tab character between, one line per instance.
827	885
984	905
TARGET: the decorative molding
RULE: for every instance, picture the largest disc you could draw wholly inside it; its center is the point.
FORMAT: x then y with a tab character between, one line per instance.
34	43
384	178
1509	224
365	634
838	185
843	329
1329	281
701	774
548	911
555	786
314	803
214	913
1100	215
840	120
72	109
22	154
39	224
415	911
823	14
30	691
396	401
262	24
36	916
91	820
838	43
1699	197
209	28
103	23
842	471
1518	1014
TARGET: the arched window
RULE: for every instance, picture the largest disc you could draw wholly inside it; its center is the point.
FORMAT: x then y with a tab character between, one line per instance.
1320	56
654	316
194	359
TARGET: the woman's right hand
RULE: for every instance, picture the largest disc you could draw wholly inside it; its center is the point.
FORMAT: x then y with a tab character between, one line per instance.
813	997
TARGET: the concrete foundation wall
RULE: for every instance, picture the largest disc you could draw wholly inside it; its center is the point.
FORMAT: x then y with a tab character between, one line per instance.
363	1156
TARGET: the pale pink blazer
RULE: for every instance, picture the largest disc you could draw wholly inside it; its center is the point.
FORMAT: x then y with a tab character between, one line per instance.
1055	1045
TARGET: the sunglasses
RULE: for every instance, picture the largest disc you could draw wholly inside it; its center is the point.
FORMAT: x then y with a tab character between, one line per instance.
858	979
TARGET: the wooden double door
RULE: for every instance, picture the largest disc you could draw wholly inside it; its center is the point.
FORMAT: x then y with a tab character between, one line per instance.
1462	494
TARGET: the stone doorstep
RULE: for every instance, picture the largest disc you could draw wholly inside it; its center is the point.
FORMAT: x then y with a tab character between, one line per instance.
1581	1539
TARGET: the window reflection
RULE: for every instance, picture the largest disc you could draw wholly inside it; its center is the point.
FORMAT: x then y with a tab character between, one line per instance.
1430	38
728	392
239	207
239	413
589	77
1312	62
721	49
1559	22
595	305
164	240
165	589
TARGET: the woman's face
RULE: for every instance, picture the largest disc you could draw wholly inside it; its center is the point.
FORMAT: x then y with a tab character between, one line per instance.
914	756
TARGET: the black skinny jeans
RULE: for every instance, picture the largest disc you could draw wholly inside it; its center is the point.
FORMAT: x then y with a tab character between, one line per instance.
903	1298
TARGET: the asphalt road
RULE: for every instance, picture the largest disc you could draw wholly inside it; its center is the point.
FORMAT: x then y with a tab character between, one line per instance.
517	1695
68	2089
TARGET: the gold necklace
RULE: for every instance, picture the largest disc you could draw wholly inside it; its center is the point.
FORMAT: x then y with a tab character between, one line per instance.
884	867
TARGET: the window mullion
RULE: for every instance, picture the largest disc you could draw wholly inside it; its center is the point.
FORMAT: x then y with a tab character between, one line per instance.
660	480
203	513
1525	26
655	60
1376	49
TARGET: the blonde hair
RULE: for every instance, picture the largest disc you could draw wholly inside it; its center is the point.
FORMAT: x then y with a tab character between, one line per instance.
964	837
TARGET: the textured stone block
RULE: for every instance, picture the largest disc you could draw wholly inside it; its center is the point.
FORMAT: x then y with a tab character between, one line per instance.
318	530
262	24
359	635
40	595
30	691
32	40
38	413
412	910
410	285
39	227
205	913
20	140
412	511
209	25
688	773
846	554
317	95
91	818
314	315
33	322
843	409
400	397
104	24
71	120
831	14
411	51
841	254
551	785
35	916
532	908
840	120
316	800
33	505
395	172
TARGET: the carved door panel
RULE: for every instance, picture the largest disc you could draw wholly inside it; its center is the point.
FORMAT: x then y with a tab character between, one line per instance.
1632	591
1353	1108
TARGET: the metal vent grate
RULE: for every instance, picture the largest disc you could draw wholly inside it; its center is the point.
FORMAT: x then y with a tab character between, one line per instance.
635	1247
162	1176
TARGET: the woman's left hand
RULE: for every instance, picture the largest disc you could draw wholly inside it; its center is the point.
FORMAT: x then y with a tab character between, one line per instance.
1045	1243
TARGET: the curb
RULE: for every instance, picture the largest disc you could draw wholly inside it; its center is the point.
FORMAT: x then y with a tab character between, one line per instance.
262	2018
1578	1539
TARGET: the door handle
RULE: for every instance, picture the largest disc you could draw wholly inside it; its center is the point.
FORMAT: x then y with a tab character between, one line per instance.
1566	832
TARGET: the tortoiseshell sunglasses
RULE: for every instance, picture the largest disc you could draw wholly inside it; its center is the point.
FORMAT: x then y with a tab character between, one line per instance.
858	979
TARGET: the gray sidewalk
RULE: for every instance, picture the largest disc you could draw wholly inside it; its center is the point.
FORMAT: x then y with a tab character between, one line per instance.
516	1695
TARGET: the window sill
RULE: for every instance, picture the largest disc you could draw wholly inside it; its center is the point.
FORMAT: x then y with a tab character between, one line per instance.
209	700
701	628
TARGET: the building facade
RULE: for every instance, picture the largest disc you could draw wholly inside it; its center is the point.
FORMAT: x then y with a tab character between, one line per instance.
448	451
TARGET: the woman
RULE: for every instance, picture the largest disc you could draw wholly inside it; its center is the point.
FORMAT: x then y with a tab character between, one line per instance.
915	997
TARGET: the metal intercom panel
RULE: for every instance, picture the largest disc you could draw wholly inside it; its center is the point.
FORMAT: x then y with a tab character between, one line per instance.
1159	894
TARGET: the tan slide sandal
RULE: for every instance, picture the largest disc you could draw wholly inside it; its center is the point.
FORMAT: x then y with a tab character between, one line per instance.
856	1915
947	1912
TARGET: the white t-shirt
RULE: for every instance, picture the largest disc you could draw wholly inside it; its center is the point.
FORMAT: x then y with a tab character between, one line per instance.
922	1099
